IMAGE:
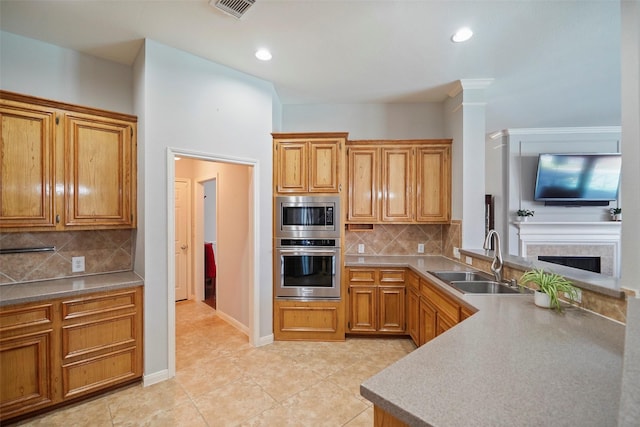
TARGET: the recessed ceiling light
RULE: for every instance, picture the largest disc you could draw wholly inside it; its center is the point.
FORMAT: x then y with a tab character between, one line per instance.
263	55
462	35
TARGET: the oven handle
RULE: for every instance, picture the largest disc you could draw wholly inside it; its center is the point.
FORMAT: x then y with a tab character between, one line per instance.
307	252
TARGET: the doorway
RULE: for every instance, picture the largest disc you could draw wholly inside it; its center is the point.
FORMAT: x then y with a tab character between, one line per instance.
236	239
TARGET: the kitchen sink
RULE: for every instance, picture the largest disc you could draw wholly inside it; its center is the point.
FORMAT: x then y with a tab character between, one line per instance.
476	282
484	287
455	276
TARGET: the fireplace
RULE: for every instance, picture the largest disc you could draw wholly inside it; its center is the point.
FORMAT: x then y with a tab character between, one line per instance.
572	240
589	263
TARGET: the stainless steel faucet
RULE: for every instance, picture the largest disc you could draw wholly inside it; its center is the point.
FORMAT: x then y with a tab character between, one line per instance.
496	265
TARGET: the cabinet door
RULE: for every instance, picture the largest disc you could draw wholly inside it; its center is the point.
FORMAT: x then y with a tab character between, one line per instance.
433	193
391	309
25	363
324	167
413	315
362	308
444	323
27	168
292	167
397	176
427	321
99	159
363	184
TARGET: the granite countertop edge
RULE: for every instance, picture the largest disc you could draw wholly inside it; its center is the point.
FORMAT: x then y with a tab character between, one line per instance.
426	387
20	293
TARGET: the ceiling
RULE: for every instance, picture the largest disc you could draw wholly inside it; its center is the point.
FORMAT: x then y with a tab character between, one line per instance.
554	63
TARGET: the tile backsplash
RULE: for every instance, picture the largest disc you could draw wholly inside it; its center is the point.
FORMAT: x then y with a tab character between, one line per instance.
403	239
104	251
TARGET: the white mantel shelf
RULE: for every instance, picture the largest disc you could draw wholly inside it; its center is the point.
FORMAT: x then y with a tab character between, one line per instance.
571	233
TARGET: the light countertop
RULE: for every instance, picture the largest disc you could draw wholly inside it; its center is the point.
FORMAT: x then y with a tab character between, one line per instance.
19	293
511	363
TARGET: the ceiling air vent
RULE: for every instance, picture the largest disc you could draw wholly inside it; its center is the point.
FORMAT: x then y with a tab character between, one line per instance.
235	8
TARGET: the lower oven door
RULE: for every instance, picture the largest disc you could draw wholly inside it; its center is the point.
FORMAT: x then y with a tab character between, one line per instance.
307	273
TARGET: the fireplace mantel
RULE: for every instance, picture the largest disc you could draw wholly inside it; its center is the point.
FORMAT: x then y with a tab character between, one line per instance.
586	237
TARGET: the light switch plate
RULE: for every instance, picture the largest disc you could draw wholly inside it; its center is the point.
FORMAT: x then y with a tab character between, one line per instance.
420	248
360	248
469	260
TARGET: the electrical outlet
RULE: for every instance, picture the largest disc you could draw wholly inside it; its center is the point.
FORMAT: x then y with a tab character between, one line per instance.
456	252
420	248
360	248
77	264
469	260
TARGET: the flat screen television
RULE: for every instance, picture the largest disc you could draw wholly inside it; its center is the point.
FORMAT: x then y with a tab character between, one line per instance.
578	179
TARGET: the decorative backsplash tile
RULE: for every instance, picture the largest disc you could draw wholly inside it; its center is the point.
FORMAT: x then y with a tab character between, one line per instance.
400	239
104	251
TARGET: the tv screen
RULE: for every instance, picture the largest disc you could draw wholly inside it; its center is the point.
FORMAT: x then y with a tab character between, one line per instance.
577	177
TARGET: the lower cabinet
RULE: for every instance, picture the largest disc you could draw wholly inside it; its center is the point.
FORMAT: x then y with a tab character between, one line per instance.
430	311
57	351
308	320
376	300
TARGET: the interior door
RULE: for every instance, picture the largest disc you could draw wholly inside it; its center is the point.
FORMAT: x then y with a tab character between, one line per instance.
182	233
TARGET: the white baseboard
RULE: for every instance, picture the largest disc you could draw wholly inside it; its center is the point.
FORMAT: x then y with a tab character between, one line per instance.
265	340
233	322
154	378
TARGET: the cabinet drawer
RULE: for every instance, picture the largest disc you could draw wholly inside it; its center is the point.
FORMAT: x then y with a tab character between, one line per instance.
91	337
392	276
441	302
24	317
362	275
99	304
99	372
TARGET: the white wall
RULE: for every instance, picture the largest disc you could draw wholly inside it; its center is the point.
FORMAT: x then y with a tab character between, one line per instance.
368	121
193	104
40	69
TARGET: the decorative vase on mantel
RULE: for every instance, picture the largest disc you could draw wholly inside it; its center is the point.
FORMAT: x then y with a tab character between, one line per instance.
524	214
616	214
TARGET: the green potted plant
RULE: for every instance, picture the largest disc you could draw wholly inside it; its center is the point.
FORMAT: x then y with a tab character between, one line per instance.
549	285
523	214
616	214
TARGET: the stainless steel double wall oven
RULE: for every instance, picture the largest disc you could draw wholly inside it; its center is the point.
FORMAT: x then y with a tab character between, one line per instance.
307	247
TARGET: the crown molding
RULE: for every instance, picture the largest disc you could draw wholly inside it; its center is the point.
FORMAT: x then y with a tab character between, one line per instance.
556	131
469	84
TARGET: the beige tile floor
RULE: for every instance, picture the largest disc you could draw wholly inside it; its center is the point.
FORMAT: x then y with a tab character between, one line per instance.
222	381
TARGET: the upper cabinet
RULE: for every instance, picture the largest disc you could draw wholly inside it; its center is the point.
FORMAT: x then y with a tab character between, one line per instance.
308	162
399	181
65	167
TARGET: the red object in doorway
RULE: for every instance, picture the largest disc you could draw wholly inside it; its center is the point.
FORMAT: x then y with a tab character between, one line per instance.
209	261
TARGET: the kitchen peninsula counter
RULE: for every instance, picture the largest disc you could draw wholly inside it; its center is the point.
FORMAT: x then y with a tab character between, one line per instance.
511	363
12	294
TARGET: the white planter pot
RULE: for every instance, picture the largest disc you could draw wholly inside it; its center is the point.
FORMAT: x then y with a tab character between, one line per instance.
542	300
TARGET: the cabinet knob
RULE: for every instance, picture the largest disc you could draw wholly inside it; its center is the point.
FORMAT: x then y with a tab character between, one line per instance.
58	219
183	247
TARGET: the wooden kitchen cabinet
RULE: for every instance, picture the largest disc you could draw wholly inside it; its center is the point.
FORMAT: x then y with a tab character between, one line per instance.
364	184
397	184
61	350
28	170
308	320
413	306
308	163
399	181
376	300
65	167
438	312
27	352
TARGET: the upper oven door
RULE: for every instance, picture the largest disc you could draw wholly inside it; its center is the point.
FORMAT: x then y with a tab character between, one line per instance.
307	216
